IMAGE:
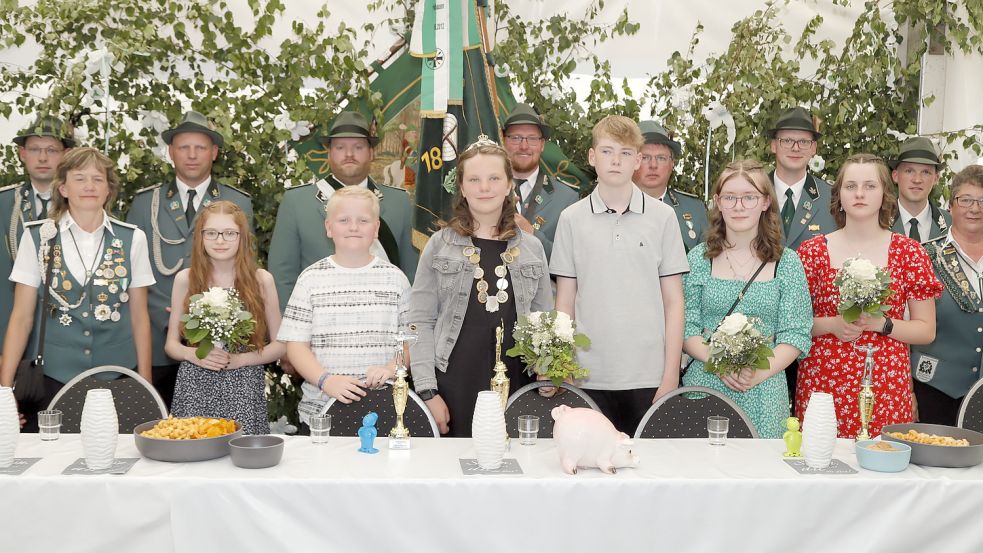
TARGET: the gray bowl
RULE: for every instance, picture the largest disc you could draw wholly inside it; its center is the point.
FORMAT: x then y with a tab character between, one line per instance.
940	455
182	451
256	452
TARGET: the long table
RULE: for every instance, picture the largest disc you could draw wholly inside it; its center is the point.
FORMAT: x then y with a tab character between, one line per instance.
685	496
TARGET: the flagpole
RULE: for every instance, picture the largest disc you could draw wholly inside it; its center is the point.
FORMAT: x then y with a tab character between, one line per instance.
489	72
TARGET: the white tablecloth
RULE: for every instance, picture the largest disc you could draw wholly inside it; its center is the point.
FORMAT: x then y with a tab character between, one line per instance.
685	496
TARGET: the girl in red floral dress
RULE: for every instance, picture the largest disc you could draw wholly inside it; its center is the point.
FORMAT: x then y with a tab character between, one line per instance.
863	205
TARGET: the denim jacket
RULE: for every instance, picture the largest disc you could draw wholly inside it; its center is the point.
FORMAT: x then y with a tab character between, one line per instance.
443	285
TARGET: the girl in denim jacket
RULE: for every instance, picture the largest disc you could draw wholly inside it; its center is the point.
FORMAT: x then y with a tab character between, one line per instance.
478	272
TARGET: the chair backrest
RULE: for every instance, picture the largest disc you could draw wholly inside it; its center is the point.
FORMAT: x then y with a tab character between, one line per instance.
527	401
136	399
971	409
683	413
346	418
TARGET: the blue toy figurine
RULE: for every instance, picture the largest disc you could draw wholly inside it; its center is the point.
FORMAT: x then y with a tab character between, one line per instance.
367	433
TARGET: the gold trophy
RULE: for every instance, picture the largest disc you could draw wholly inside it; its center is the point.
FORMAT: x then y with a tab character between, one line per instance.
500	382
399	436
866	396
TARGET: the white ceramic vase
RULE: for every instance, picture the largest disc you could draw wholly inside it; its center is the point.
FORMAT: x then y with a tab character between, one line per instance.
100	429
819	431
9	426
488	430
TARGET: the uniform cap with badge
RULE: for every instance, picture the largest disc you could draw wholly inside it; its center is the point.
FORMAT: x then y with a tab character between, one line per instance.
194	122
796	119
916	149
46	125
351	124
524	114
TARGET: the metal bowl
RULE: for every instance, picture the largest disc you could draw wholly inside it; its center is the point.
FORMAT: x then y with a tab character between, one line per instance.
256	452
182	451
940	455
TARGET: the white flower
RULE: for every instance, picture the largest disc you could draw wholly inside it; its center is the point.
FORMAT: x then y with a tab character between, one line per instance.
817	163
563	327
155	120
535	317
281	426
733	324
215	297
861	269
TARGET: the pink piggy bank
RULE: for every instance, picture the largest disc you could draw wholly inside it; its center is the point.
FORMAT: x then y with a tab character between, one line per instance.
587	439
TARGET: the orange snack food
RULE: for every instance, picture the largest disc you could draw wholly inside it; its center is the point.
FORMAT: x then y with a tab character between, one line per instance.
193	428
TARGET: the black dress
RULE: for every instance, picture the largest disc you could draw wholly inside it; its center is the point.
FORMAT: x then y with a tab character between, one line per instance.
472	361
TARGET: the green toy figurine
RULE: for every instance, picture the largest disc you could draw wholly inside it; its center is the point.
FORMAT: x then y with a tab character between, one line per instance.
793	438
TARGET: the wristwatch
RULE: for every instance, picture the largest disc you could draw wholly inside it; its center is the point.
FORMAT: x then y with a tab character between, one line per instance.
427	395
888	327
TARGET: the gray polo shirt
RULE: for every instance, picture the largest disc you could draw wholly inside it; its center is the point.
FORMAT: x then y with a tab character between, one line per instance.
617	259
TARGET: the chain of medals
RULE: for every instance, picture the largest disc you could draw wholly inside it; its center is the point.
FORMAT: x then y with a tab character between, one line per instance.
491	301
965	285
104	276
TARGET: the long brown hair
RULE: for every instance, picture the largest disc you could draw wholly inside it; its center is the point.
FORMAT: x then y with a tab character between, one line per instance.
246	283
889	201
462	222
79	158
768	244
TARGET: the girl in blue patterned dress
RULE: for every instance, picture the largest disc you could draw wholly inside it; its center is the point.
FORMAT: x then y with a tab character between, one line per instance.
745	231
224	384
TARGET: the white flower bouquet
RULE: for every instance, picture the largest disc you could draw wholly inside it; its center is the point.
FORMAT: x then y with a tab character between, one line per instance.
864	288
217	318
546	342
737	344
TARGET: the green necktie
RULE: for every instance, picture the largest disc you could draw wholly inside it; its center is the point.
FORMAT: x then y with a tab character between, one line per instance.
788	210
913	233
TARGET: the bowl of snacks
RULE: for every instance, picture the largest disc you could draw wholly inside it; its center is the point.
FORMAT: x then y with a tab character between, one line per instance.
937	445
185	440
883	456
256	452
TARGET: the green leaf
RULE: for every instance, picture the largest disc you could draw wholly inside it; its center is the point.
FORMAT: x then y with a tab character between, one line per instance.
204	348
852	314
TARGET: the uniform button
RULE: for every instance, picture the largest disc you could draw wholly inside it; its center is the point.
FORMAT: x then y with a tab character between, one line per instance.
86	314
975	369
977	350
978	329
87	333
87	352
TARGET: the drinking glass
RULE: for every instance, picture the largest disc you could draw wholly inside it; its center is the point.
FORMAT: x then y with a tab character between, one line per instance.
320	429
49	424
717	428
528	429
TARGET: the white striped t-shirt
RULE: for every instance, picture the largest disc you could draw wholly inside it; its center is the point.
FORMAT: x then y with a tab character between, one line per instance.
348	316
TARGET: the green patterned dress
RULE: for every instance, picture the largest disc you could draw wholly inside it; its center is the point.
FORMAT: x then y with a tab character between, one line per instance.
785	309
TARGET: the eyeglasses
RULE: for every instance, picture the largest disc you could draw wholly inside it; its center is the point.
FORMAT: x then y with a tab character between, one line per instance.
967	202
227	235
35	151
515	139
730	202
660	159
802	143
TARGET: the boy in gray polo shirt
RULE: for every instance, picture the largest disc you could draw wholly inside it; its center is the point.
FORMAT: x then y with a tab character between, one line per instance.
607	250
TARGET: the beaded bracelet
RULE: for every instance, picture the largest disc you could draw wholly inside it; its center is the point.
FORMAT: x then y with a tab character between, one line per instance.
320	381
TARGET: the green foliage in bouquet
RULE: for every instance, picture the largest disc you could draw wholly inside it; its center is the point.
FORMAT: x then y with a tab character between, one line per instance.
217	316
864	288
738	344
546	343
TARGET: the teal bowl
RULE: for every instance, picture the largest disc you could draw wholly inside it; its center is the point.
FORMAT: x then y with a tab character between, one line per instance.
883	461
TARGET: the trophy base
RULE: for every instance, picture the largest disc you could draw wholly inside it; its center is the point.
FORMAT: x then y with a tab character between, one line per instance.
863	435
399	443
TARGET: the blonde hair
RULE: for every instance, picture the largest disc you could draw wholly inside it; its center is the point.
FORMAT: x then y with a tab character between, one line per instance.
889	201
618	128
79	158
768	244
353	193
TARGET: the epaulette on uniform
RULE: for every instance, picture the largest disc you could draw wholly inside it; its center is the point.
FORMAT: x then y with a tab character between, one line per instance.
936	239
11	186
116	221
573	187
391	187
685	193
34	223
147	189
243	192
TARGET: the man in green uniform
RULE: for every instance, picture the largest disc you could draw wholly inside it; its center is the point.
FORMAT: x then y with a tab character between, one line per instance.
541	196
916	172
299	238
166	214
659	154
803	198
40	148
946	369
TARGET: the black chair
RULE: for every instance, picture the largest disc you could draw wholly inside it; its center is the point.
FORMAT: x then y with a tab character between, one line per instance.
971	409
527	401
346	418
683	413
136	399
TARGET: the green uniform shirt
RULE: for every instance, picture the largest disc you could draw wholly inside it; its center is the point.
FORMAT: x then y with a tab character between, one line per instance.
16	208
691	213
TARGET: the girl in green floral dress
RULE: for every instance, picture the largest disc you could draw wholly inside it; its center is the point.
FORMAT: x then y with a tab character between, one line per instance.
745	232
